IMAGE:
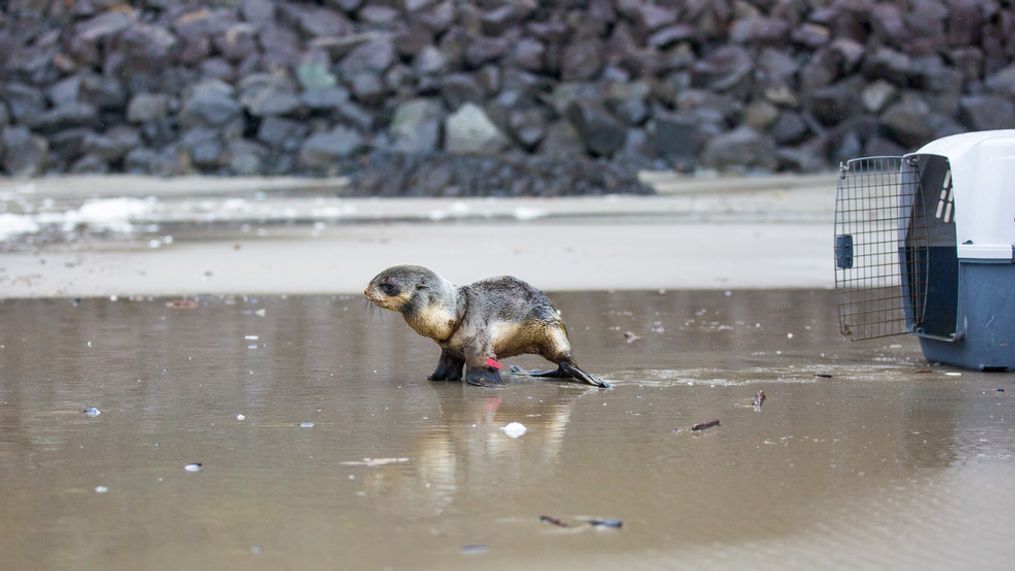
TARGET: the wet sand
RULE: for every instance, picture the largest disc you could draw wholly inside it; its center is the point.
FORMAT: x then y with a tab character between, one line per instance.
886	463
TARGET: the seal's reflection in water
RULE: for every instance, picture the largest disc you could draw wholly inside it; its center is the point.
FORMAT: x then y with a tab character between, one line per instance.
465	451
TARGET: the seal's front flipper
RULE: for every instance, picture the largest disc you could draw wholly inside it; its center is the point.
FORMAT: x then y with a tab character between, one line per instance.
449	368
573	371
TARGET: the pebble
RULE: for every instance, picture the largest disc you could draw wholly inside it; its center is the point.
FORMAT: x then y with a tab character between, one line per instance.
194	467
92	411
306	425
101	489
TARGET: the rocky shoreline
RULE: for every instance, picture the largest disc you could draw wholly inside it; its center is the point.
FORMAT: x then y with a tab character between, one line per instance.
572	90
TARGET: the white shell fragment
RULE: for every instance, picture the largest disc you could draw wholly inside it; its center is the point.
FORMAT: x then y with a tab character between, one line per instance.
514	429
195	467
371	462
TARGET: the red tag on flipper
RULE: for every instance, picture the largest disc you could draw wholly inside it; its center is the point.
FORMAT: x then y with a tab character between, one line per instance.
491	362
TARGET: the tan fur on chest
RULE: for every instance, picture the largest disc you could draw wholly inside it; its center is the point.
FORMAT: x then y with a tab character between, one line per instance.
435	321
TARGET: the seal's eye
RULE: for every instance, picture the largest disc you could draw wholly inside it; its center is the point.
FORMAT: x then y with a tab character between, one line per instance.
389	289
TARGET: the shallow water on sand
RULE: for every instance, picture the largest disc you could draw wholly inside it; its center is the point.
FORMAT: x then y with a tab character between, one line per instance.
883	461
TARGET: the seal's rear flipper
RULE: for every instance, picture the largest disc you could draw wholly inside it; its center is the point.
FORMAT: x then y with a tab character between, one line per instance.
573	371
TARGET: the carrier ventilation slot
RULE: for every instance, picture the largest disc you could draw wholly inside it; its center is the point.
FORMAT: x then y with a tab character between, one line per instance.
946	201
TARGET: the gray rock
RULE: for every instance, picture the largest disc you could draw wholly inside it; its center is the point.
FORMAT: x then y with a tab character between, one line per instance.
89	164
724	68
315	21
983	112
811	35
416	5
647	17
470	131
888	64
24	154
268	94
878	94
203	148
1002	81
498	20
822	69
673	35
416	126
790	128
429	61
147	44
245	157
458	89
368	87
759	29
143	160
741	147
280	133
345	5
324	99
483	50
678	136
629	100
881	147
258	11
103	92
850	53
378	15
909	121
834	103
211	103
145	107
63	117
323	150
802	159
65	91
528	126
562	140
760	114
600	131
437	18
374	56
107	24
24	102
113	144
314	71
582	60
527	53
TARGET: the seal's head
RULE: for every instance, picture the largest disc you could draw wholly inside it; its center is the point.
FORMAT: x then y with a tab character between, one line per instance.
396	288
429	303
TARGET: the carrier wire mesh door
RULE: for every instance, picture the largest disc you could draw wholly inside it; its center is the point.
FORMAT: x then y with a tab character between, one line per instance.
880	248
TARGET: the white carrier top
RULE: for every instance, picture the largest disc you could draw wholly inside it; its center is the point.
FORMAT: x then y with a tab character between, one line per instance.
983	190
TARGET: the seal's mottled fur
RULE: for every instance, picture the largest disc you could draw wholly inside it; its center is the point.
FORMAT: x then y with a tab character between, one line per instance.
494	318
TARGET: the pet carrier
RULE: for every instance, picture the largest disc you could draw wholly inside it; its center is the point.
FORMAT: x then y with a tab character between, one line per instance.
924	245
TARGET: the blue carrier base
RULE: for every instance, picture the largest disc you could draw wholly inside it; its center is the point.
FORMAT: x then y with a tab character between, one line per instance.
985	324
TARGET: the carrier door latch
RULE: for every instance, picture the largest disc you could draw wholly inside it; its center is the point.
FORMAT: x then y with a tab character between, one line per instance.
844	251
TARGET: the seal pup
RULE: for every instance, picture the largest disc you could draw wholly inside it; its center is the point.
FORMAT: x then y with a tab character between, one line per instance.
478	323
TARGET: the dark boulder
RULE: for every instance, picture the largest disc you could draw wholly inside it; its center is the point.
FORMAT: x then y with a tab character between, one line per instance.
24	154
741	147
600	131
210	103
322	151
